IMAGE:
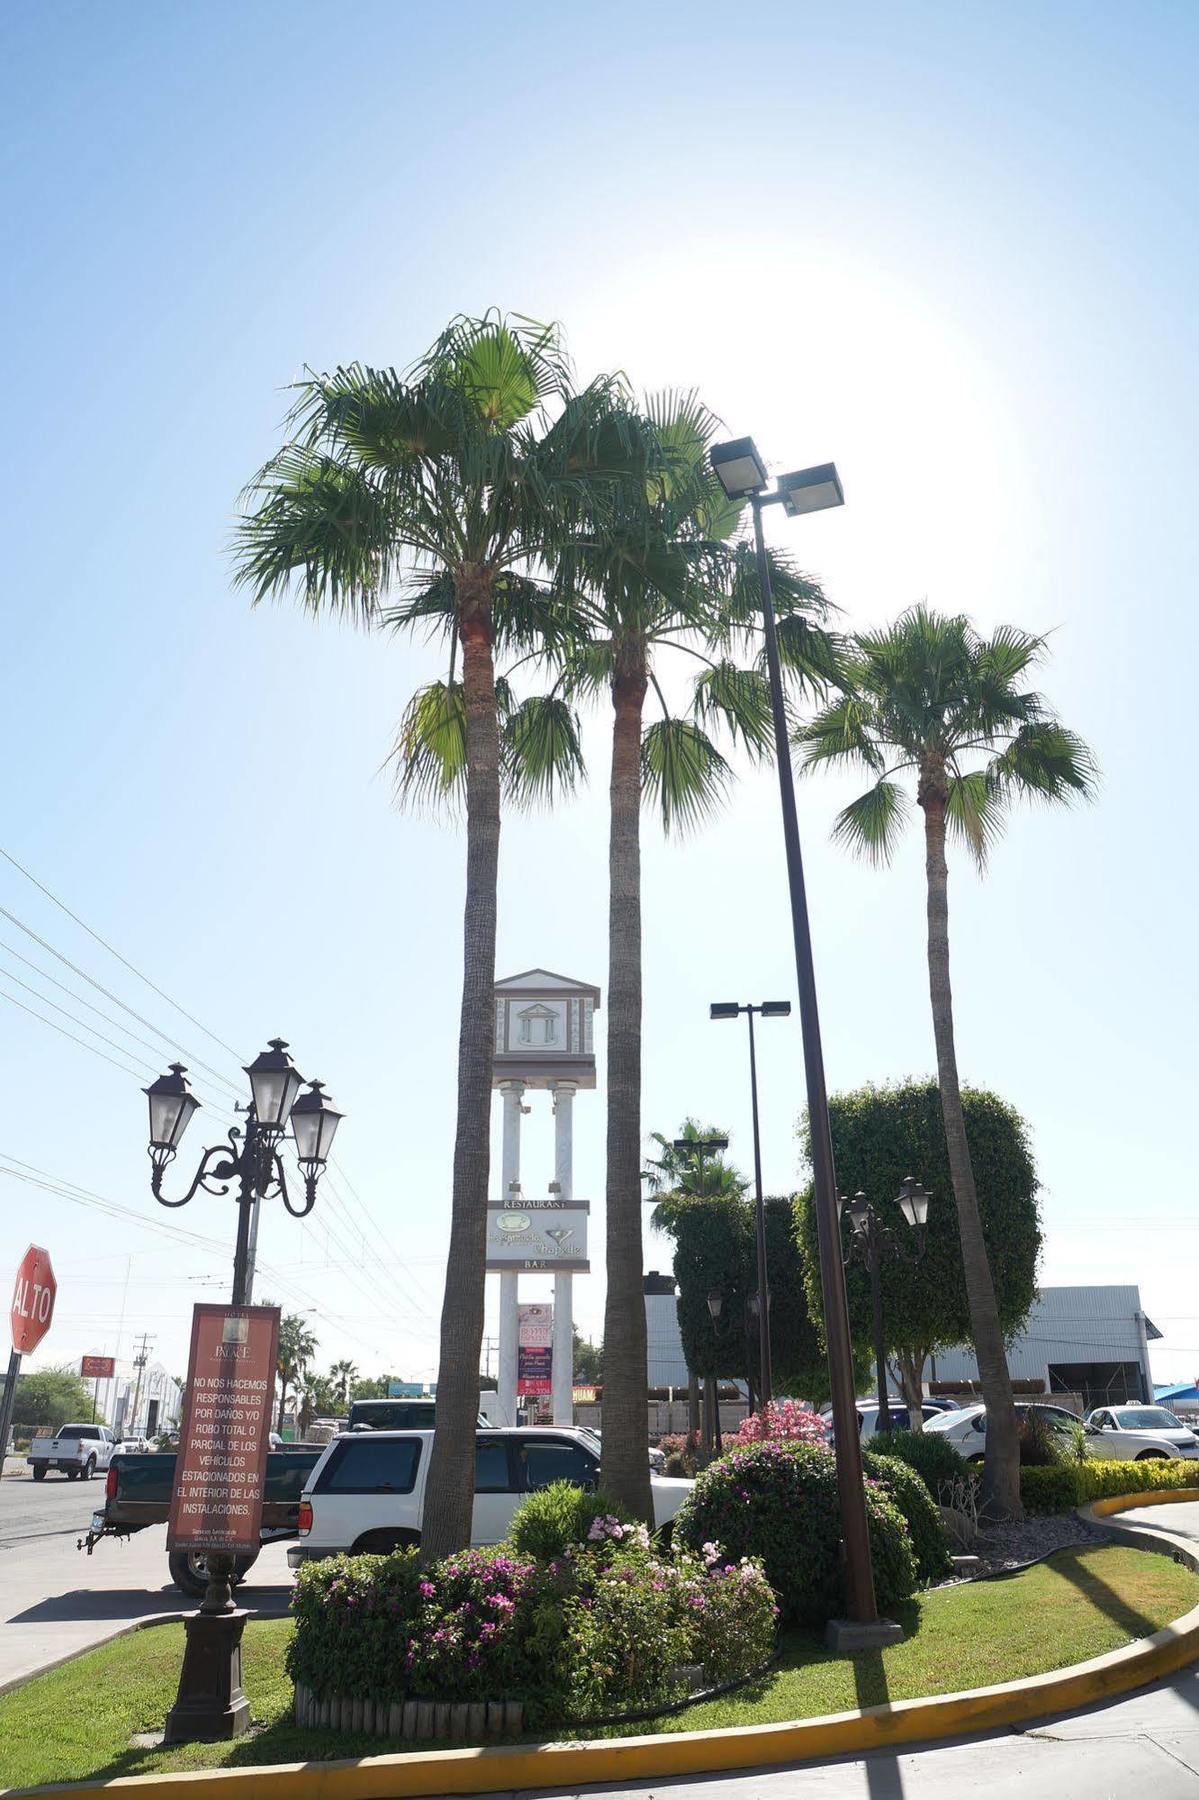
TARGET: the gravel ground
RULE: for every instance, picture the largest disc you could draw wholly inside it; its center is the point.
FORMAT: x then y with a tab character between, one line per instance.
1008	1546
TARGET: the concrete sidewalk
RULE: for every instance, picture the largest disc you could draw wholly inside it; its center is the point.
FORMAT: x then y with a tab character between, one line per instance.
56	1601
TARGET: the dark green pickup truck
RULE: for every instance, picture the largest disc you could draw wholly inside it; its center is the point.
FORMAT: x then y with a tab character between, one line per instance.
138	1491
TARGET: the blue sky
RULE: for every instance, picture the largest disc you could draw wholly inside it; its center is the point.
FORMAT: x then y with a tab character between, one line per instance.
953	248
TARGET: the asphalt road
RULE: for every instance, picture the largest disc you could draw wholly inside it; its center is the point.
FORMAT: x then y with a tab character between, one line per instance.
44	1509
55	1600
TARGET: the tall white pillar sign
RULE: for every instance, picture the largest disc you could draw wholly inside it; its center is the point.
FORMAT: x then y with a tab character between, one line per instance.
513	1093
544	1027
564	1349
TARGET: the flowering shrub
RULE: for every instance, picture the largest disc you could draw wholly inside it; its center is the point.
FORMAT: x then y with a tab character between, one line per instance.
555	1516
781	1419
480	1625
603	1628
902	1485
778	1502
684	1455
732	1611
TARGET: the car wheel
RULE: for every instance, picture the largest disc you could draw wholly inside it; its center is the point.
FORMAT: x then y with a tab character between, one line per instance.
89	1468
72	1474
39	1471
189	1571
382	1543
1152	1456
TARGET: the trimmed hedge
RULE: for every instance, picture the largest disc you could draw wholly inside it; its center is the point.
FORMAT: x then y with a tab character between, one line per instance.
928	1452
778	1502
906	1489
1069	1485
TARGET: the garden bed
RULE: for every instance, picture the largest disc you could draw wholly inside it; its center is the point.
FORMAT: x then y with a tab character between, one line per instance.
79	1721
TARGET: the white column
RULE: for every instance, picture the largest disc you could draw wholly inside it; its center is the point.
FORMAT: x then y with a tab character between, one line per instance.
564	1353
513	1095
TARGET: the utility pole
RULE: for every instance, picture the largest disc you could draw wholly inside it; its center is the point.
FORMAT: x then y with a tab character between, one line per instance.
139	1362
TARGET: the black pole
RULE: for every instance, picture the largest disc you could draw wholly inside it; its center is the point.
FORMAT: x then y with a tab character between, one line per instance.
858	1568
874	1263
7	1402
765	1369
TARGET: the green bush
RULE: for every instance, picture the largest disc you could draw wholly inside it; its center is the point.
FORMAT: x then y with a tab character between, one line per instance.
778	1502
557	1516
1039	1446
906	1488
928	1452
1074	1484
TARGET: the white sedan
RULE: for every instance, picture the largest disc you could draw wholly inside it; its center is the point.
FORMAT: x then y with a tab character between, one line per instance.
1138	1432
966	1430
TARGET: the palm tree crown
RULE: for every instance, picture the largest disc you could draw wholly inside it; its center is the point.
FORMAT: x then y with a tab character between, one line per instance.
930	697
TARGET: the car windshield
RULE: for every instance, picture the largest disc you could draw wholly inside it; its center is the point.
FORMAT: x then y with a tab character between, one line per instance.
1147	1418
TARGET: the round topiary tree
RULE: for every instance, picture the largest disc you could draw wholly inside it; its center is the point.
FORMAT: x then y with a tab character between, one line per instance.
778	1502
903	1486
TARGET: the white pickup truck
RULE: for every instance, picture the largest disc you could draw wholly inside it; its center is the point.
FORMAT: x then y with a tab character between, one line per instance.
367	1492
75	1449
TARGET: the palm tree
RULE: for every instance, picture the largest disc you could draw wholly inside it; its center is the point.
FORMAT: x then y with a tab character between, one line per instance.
448	490
297	1347
668	569
930	698
342	1377
676	1176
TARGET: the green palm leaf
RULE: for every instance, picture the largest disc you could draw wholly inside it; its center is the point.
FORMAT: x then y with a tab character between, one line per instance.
428	757
739	699
871	825
1045	761
683	771
974	812
543	756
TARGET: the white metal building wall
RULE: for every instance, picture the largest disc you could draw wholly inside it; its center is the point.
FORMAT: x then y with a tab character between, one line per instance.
1067	1325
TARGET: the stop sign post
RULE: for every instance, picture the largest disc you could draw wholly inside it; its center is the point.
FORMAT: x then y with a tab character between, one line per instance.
31	1315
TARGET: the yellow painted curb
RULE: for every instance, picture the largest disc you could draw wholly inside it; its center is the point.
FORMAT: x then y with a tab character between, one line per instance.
1114	1503
567	1766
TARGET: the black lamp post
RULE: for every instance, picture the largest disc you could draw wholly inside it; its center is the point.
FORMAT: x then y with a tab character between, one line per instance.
769	1009
871	1239
699	1148
210	1681
742	474
715	1308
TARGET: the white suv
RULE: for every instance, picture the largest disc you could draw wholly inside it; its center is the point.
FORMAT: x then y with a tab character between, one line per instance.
367	1492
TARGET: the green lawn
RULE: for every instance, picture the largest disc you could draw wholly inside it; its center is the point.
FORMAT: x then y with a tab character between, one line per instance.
78	1720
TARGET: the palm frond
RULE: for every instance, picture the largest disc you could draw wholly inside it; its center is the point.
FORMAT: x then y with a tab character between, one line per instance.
428	757
870	826
843	732
740	700
1044	761
318	524
974	812
683	771
540	750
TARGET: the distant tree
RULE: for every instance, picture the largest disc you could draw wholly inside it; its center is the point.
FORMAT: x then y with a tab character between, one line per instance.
297	1347
684	1174
52	1397
319	1399
881	1134
589	1360
342	1376
370	1387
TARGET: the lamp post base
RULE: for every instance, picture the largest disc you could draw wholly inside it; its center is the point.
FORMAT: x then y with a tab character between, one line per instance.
844	1636
210	1703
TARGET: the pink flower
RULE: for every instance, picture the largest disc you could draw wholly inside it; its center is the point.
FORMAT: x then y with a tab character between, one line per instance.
426	1590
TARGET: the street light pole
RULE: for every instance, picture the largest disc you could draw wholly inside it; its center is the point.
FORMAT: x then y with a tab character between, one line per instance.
742	474
728	1009
210	1702
872	1239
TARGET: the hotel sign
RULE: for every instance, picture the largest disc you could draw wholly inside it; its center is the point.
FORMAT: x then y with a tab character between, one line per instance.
548	1235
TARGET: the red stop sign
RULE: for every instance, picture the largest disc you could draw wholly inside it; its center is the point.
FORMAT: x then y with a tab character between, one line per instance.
32	1300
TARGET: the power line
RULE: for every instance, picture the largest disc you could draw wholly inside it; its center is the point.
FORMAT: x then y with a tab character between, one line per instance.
125	1070
79	1000
171	1042
162	994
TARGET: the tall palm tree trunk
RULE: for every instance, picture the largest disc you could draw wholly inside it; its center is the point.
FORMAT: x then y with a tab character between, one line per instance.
449	1497
1001	1473
625	1419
